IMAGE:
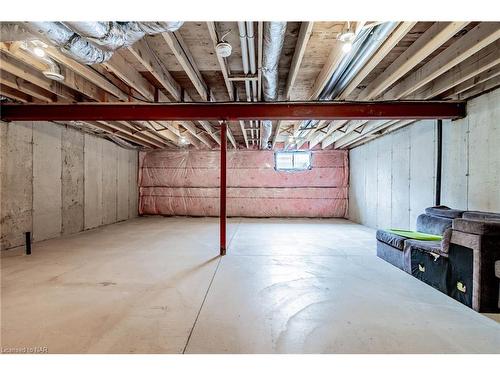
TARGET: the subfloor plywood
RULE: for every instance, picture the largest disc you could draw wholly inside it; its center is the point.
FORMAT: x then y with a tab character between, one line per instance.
157	285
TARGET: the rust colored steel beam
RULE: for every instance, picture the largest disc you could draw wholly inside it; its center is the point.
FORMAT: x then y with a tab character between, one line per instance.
234	111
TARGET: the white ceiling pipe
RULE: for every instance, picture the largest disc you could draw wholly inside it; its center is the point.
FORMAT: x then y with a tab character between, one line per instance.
251	56
244	58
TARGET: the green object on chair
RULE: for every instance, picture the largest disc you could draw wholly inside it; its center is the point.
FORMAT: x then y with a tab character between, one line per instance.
415	235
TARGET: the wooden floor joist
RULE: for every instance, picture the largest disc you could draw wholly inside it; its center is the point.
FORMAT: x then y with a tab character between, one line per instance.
427	43
476	39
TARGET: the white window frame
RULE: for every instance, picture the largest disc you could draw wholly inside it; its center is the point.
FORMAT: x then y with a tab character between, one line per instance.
294	168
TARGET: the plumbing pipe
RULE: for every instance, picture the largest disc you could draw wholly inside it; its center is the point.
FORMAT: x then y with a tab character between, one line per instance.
251	56
244	56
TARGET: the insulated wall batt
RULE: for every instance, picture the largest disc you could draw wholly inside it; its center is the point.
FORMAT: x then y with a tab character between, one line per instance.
187	183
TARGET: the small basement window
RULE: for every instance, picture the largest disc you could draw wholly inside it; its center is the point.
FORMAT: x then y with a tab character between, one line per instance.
292	160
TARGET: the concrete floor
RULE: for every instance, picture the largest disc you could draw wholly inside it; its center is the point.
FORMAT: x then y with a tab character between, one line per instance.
156	285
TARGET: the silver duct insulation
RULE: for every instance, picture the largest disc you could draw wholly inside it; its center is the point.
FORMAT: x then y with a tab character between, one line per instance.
72	44
89	42
365	45
273	39
114	35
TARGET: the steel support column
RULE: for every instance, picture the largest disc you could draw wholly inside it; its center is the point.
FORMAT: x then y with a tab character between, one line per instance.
222	195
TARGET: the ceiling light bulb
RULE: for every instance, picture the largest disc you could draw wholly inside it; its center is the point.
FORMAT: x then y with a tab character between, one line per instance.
183	140
291	139
40	52
347	47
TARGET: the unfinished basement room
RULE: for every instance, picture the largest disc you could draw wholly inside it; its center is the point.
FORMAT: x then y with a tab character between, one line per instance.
251	187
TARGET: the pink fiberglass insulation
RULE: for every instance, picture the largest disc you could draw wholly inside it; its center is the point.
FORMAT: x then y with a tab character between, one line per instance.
187	183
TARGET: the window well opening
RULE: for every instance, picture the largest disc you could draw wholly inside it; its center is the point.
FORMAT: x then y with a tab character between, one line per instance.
292	160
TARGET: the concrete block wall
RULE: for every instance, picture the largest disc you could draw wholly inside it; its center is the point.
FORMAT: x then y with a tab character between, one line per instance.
471	156
56	180
392	179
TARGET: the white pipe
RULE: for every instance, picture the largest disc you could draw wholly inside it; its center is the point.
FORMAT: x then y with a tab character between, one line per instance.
244	56
251	56
244	59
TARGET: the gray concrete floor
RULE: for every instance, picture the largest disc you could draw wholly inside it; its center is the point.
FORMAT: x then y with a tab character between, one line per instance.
157	285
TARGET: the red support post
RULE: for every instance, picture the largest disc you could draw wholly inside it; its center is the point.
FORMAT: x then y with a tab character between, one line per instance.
222	196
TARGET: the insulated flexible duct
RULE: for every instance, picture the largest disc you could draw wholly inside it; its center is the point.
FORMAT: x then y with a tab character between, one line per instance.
273	39
93	42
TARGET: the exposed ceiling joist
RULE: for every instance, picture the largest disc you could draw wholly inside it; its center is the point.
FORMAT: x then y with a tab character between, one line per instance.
382	131
123	70
186	60
481	88
333	61
14	94
320	136
479	37
127	132
368	129
427	43
399	32
472	82
145	55
300	48
87	72
482	61
212	30
29	74
27	87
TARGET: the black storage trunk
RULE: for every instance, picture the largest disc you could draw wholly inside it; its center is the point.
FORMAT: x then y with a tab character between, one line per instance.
460	274
430	269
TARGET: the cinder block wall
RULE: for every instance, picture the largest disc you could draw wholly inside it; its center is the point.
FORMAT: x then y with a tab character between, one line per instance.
56	180
392	179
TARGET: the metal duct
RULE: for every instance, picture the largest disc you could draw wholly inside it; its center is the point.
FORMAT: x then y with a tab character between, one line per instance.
114	35
368	44
74	45
97	40
273	39
365	45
